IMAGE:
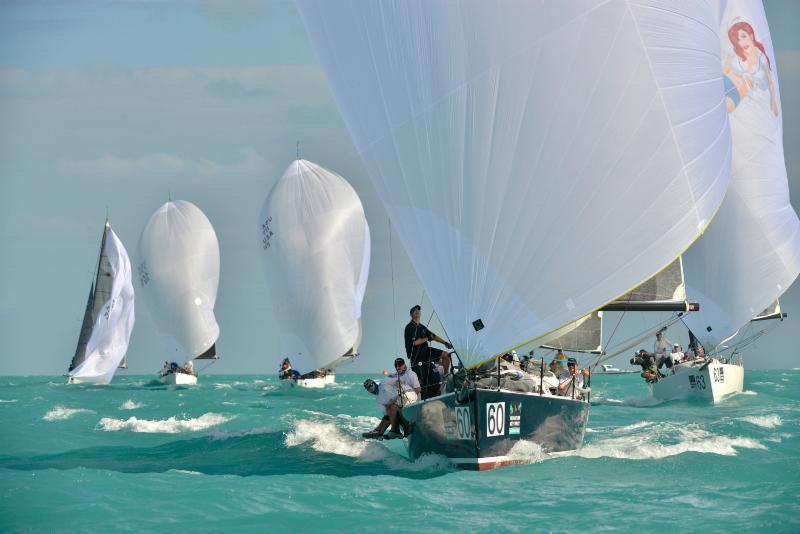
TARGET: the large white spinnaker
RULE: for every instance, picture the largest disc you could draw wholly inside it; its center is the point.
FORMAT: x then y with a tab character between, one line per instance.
109	317
538	160
315	247
750	254
179	275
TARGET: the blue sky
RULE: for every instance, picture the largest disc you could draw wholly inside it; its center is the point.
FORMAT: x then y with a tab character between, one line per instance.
114	103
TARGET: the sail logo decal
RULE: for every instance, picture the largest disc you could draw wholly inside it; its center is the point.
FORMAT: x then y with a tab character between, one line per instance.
266	233
464	428
514	418
495	419
144	274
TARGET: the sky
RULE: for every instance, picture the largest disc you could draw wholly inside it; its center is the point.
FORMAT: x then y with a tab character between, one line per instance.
114	105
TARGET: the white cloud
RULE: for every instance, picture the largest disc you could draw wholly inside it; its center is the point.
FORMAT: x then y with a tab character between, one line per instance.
159	165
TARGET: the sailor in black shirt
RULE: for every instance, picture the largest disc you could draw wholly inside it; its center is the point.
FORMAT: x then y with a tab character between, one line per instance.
421	355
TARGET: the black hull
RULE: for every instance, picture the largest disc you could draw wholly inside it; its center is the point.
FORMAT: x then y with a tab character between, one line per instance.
444	426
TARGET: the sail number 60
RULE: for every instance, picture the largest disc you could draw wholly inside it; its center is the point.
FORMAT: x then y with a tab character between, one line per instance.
495	418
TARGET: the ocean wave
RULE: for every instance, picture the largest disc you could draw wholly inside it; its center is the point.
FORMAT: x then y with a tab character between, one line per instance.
764	421
223	386
328	438
647	444
225	434
777	438
748	392
173	425
130	405
60	413
4	401
527	452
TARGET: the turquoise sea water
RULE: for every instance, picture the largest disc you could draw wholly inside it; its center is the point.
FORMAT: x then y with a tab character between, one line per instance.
239	453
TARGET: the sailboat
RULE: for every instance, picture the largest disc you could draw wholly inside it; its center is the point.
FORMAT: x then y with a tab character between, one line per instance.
315	245
537	163
109	316
750	254
179	276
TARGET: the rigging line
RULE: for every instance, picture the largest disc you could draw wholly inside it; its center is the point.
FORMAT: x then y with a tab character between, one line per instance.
600	356
394	297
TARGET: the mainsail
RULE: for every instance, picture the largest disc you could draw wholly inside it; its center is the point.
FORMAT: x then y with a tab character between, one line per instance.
315	247
750	254
179	275
664	292
587	336
773	311
109	315
537	161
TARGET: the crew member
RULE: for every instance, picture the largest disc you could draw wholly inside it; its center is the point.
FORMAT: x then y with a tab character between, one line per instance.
647	361
397	390
570	383
421	355
662	348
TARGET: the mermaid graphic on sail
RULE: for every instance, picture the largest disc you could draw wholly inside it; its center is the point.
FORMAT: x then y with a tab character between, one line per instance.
749	82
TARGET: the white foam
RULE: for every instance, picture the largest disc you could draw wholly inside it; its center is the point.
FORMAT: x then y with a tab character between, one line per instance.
527	452
7	401
228	403
130	405
748	392
172	425
225	434
634	426
328	438
184	472
59	413
764	421
223	386
646	444
777	438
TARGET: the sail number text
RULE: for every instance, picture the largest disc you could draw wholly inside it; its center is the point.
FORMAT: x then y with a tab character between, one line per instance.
495	418
464	422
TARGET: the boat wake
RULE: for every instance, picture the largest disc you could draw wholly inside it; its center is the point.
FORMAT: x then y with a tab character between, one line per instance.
647	441
172	425
60	413
329	438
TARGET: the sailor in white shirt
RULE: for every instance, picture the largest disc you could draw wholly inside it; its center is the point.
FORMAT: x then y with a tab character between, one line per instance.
662	348
676	356
389	398
570	382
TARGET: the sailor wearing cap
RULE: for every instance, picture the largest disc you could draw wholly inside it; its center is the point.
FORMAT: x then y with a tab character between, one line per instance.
570	383
676	356
421	355
391	400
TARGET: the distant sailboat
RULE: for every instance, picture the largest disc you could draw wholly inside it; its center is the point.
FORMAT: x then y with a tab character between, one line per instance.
179	276
537	164
315	246
109	316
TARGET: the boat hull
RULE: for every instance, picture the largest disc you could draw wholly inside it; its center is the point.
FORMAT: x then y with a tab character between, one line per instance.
480	433
311	383
712	382
179	379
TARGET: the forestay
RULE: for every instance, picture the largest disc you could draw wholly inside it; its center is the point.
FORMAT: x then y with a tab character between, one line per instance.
315	246
538	161
179	275
109	316
751	253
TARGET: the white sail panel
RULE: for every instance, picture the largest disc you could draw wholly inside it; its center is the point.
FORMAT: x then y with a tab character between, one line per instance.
537	161
750	254
315	246
179	275
113	324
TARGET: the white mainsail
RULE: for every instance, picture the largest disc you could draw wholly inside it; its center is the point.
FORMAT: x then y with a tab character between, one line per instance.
538	161
179	275
109	316
315	246
750	254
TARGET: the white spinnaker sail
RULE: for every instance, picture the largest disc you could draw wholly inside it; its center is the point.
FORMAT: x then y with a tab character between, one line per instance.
179	275
750	254
316	249
108	342
538	159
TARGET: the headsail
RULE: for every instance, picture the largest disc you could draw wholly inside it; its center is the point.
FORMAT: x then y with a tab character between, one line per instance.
750	255
315	246
664	292
536	162
179	275
773	311
109	316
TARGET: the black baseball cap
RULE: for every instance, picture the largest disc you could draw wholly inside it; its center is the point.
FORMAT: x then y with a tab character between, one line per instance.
415	307
399	361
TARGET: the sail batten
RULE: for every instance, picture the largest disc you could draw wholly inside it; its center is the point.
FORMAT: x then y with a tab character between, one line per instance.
315	245
535	164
